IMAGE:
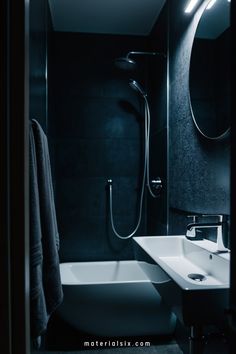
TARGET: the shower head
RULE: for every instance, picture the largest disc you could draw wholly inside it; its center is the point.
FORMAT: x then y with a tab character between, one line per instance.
137	87
125	63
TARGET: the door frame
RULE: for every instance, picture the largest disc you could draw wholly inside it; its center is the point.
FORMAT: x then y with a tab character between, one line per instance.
14	177
232	310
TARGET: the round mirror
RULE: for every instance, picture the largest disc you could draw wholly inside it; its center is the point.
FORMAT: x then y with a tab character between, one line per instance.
209	78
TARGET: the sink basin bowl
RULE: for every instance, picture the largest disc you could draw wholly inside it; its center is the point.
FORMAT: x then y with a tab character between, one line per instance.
190	276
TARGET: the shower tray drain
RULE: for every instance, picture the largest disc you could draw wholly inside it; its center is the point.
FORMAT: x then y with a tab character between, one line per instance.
196	277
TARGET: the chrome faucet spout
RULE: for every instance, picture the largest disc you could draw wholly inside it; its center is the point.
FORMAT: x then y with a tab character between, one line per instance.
221	227
203	225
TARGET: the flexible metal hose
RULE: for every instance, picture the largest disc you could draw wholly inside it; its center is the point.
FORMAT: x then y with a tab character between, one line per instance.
145	178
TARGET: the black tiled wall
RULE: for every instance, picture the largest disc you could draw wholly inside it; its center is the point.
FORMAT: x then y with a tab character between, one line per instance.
96	130
198	169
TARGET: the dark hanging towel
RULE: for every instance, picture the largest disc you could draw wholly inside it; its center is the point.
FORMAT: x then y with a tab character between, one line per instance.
46	288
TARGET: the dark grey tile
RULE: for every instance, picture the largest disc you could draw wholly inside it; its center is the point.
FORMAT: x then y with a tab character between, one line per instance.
96	129
97	157
92	239
81	239
97	117
84	196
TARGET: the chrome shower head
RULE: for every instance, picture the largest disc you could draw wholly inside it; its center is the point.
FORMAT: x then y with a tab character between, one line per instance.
137	87
125	63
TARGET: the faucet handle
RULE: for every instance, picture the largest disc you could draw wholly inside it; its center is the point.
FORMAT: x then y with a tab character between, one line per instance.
195	216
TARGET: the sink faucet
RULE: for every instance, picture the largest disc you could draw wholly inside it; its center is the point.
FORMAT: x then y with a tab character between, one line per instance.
221	227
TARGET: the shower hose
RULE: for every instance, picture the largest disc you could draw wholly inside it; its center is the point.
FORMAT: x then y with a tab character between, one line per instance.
145	178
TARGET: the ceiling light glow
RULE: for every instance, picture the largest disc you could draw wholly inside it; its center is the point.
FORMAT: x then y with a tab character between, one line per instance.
191	5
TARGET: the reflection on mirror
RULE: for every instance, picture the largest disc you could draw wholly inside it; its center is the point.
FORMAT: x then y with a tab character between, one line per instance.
210	72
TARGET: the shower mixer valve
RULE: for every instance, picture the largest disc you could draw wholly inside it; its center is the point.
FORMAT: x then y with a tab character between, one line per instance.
156	185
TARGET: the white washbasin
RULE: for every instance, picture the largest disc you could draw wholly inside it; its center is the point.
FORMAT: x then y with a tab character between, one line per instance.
180	257
176	265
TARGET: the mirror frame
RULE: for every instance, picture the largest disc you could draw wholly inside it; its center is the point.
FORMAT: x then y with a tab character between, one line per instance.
226	133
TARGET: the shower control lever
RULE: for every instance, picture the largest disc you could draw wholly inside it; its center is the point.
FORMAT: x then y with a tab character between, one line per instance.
156	185
194	217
